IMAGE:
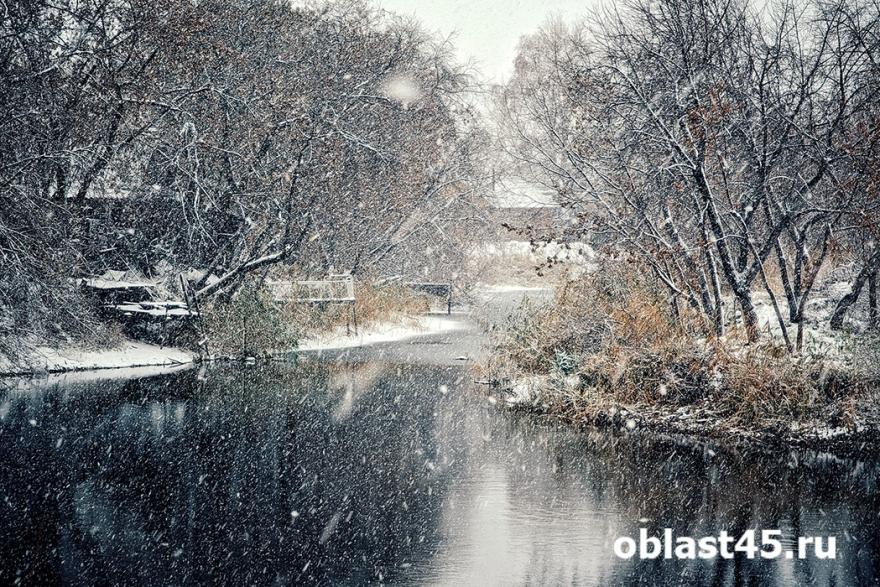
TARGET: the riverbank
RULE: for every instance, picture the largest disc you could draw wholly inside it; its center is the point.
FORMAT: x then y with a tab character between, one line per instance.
825	408
381	332
130	353
847	426
623	361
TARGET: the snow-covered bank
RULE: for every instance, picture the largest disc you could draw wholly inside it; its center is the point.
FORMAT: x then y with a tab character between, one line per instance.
72	379
138	354
827	430
488	290
128	354
382	332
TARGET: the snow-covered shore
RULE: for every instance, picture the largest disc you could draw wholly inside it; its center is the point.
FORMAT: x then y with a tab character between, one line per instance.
70	379
703	420
138	354
382	332
72	358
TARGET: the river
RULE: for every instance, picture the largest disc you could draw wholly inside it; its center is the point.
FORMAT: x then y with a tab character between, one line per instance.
385	464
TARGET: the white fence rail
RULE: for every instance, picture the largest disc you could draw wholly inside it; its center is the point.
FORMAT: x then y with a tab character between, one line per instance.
334	290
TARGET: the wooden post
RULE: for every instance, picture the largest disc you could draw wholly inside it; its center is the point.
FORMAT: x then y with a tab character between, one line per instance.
244	337
872	300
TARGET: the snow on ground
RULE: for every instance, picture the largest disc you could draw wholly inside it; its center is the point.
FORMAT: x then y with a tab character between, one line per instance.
509	287
819	339
77	378
137	354
128	354
383	332
526	388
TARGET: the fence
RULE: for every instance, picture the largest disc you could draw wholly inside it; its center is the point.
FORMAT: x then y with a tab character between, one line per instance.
336	289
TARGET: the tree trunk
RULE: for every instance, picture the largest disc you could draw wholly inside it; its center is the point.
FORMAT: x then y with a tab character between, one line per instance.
779	318
849	299
786	283
807	287
750	317
716	286
872	300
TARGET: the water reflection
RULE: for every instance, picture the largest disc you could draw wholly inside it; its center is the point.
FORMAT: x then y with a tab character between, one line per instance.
357	472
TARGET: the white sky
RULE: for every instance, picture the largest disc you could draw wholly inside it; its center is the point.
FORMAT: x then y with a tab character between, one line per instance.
487	31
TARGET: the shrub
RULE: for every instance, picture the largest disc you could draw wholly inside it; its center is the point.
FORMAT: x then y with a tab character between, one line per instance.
249	324
252	323
373	303
628	344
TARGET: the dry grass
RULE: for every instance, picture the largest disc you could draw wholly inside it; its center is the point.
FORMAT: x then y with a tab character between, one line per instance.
391	302
373	304
254	324
626	346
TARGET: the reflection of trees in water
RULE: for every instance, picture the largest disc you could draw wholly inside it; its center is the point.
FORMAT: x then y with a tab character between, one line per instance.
697	493
188	477
249	476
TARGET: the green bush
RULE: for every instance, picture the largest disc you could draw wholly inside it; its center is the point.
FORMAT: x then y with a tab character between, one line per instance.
249	324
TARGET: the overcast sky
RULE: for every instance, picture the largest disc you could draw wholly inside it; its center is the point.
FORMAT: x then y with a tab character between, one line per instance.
487	31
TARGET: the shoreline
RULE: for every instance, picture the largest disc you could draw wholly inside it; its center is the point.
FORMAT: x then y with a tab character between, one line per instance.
134	354
702	424
128	354
381	332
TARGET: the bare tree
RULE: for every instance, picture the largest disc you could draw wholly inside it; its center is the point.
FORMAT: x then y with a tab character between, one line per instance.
229	137
860	145
319	141
704	137
71	72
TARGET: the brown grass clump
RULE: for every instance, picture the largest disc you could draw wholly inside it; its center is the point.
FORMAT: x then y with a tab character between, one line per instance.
253	323
628	345
373	303
388	302
532	336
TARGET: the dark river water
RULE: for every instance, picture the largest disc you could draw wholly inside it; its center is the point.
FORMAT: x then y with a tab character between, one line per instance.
383	465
